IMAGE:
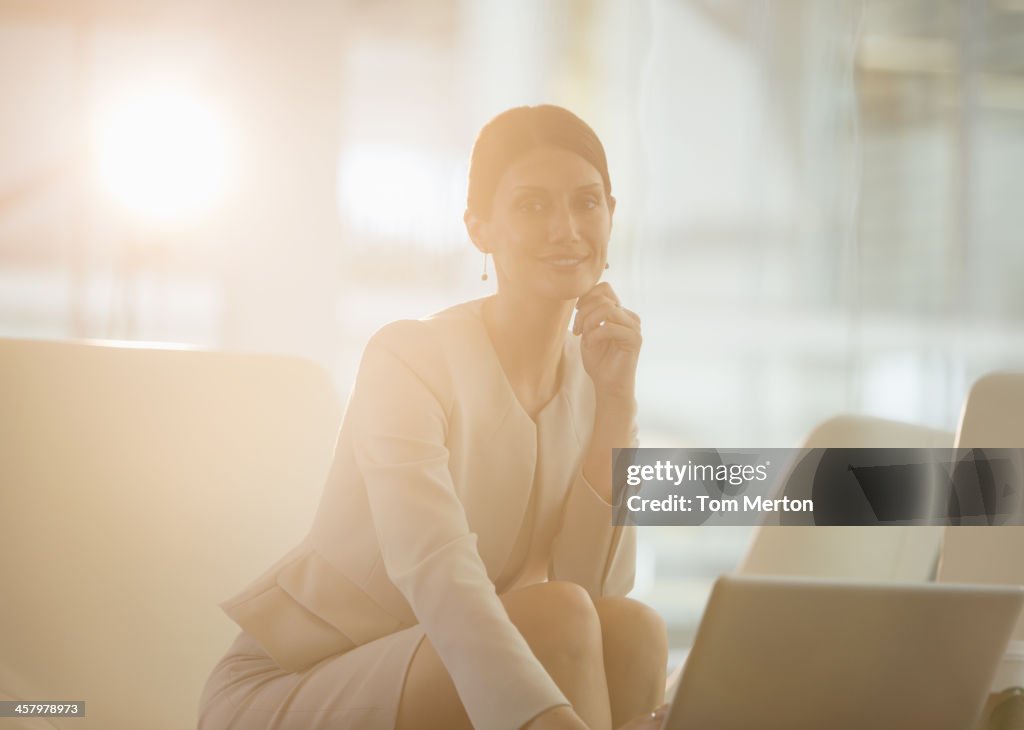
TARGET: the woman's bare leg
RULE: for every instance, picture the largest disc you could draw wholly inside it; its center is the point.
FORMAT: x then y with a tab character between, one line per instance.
562	627
635	656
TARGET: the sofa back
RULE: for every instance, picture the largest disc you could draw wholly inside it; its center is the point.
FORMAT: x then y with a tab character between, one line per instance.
140	487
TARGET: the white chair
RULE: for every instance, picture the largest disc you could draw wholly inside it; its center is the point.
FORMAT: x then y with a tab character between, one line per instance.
140	487
992	417
867	553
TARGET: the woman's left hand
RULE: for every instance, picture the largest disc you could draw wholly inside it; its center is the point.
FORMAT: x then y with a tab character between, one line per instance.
611	341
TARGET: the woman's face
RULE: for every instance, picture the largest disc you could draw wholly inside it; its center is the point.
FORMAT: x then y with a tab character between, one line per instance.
549	225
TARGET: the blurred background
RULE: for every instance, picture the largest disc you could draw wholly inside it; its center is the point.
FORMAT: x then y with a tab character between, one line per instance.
820	209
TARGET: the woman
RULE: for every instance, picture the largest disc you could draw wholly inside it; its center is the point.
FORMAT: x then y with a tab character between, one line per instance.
462	569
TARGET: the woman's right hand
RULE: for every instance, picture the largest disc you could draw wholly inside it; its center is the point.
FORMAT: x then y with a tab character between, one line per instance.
562	717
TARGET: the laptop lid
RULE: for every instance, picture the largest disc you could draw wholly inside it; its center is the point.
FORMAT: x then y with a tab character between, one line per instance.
789	653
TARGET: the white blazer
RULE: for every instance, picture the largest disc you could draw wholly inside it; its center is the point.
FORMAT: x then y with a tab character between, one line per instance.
431	478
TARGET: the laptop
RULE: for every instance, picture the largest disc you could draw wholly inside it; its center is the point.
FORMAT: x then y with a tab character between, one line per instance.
778	653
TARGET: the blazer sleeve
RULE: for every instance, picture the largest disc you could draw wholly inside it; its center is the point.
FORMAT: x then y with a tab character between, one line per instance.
588	549
399	424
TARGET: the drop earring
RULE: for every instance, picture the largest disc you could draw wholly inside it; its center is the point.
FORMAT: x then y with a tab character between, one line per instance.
483	276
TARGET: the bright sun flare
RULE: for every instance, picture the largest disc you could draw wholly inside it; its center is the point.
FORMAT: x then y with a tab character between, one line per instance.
162	155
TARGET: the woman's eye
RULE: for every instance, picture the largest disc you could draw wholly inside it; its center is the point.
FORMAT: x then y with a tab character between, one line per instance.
531	207
588	203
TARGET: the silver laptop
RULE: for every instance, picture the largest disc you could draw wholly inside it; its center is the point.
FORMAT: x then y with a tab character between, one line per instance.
788	654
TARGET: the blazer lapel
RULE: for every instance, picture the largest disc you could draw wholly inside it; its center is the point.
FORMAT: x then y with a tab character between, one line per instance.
503	452
497	446
564	433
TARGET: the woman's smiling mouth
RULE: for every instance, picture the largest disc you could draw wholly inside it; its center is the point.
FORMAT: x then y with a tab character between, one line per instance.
564	262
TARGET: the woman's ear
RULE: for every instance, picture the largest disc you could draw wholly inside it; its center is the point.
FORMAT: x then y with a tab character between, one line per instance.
475	229
611	208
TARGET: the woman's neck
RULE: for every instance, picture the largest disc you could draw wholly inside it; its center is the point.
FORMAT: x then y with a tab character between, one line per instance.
529	338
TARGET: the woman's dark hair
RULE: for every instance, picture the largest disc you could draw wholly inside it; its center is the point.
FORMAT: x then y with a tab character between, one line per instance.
515	132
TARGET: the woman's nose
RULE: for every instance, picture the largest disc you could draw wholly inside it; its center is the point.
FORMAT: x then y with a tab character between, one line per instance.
563	224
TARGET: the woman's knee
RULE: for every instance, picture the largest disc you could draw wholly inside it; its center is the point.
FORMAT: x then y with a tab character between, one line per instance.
557	618
625	619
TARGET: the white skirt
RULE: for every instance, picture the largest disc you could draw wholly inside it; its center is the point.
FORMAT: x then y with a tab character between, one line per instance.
358	689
